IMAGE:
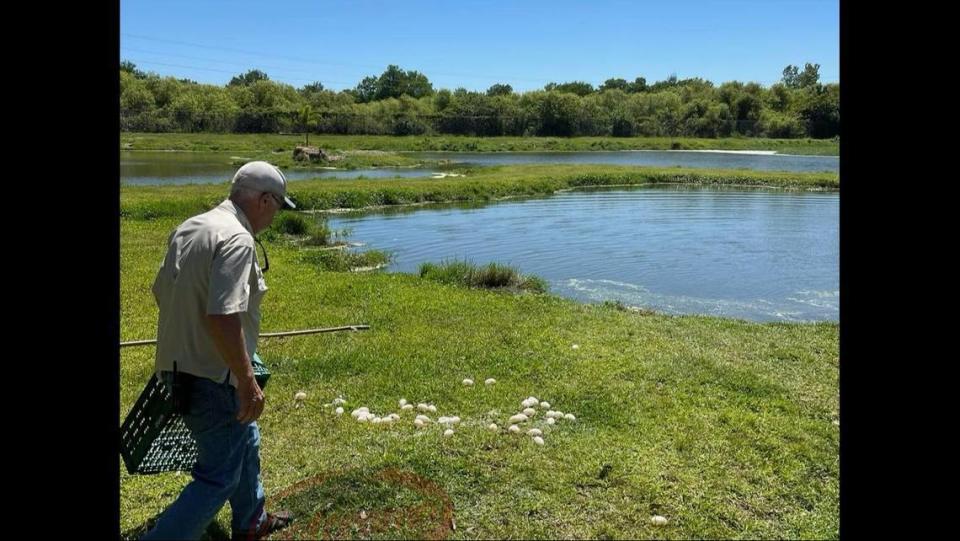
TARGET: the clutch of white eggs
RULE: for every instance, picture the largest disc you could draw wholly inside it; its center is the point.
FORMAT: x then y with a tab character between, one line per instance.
529	411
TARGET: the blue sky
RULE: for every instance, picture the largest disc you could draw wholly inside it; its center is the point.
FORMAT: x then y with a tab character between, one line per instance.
474	43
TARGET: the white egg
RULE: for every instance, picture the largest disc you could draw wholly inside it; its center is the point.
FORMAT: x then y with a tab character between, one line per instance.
431	408
339	411
419	422
514	428
533	399
468	381
558	414
423	407
300	396
545	405
551	421
406	407
534	432
455	420
529	412
443	419
551	414
518	418
448	432
570	417
658	520
576	346
403	402
493	427
538	440
489	381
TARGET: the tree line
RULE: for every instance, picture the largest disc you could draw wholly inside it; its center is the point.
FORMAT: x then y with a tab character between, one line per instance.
399	102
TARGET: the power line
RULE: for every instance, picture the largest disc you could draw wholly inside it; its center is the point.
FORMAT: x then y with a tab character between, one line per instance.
150	62
187	67
351	65
246	65
499	78
295	59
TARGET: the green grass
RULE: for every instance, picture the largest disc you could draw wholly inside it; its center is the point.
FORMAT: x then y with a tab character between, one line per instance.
304	229
490	183
490	276
286	143
348	160
321	247
290	223
723	426
344	260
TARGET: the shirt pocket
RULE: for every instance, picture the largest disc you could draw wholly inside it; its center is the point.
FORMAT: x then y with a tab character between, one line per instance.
257	287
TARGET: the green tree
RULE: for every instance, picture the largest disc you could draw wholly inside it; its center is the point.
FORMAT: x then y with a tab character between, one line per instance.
638	85
794	78
307	118
164	90
579	88
556	112
131	68
819	107
778	98
248	78
610	84
780	125
312	88
810	76
659	86
791	76
745	103
394	82
442	99
366	90
500	90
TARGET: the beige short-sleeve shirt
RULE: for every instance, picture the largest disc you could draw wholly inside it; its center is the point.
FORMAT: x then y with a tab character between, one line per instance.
210	268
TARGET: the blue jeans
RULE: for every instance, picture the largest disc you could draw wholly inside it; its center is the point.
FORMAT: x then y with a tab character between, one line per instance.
227	469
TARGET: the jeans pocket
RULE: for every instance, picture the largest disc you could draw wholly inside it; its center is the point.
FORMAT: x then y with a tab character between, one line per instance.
210	406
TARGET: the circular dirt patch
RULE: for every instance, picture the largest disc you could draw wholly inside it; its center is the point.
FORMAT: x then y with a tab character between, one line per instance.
357	503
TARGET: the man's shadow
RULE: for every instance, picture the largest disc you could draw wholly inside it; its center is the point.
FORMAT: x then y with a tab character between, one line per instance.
215	531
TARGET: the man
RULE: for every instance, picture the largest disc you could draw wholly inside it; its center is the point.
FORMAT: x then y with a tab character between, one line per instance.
209	290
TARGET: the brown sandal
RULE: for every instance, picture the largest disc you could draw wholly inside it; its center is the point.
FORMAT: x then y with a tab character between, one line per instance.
274	522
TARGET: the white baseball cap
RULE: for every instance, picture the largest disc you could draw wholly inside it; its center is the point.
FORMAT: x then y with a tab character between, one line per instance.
263	177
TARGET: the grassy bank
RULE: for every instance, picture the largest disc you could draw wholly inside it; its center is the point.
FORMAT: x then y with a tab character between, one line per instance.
286	143
485	184
345	159
726	428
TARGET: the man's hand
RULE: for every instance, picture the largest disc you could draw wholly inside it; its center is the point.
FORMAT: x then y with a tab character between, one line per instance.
250	400
228	336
